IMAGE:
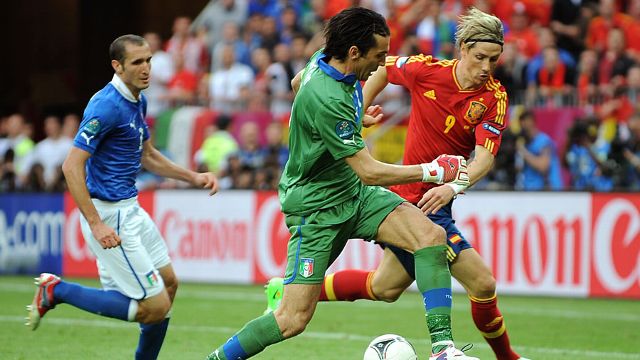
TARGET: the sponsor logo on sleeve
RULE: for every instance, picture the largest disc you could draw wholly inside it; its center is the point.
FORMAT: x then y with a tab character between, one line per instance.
92	127
491	129
345	130
90	130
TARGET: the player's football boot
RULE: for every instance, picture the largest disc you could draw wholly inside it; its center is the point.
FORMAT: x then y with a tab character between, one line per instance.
274	290
450	353
42	300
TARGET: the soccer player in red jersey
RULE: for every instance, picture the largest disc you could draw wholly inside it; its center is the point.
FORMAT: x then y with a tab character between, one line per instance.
458	108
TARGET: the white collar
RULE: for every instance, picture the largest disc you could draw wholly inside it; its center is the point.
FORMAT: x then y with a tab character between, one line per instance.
122	88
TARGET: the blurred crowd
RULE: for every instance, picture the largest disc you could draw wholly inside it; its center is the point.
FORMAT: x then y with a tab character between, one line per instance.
240	56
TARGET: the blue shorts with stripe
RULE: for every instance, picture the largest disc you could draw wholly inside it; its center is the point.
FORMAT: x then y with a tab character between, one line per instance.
455	241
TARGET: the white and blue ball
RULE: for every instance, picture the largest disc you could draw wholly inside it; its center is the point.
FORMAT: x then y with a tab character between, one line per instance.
390	347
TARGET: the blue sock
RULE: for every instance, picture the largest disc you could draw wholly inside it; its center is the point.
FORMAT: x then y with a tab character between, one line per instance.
108	303
151	338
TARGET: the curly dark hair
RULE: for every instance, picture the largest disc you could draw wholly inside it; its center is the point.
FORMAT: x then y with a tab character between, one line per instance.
355	26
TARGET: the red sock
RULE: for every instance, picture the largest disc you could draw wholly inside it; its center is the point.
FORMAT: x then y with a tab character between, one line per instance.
347	285
489	321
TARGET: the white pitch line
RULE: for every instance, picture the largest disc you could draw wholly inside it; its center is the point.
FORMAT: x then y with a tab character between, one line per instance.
459	305
321	336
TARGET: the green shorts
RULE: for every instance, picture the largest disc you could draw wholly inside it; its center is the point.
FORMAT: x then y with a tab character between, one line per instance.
319	237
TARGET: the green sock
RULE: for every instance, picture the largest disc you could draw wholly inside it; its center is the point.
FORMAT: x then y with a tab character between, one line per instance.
434	282
254	337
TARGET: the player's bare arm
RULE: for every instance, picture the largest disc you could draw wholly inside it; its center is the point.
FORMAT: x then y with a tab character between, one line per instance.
154	161
539	163
478	167
75	175
374	172
374	85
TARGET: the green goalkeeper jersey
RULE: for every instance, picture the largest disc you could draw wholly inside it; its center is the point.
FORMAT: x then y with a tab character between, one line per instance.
325	127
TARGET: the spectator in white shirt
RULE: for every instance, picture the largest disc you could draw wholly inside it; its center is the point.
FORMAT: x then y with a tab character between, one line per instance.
229	87
162	70
50	152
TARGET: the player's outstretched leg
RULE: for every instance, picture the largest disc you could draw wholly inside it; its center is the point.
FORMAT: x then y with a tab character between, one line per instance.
42	300
344	285
52	291
254	337
490	323
151	339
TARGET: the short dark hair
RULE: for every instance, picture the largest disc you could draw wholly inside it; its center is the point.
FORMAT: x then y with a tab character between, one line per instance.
526	114
223	121
117	50
353	27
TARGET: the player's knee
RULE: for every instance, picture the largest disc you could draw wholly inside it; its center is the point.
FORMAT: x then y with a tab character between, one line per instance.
388	295
153	311
435	235
172	288
484	287
292	324
298	324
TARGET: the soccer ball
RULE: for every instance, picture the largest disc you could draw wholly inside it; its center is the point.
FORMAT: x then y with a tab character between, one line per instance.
390	347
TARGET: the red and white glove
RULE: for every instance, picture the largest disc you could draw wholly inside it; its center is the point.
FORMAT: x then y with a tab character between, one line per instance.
450	169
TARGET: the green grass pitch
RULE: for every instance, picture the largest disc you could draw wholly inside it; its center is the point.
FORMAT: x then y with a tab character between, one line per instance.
205	315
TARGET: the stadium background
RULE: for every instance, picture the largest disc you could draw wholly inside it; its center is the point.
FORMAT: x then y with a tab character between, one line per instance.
576	244
61	60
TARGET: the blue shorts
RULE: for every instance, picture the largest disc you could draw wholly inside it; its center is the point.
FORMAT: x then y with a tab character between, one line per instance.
455	241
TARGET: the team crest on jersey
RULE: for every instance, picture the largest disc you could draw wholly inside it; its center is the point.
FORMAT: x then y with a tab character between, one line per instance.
475	112
344	130
152	278
92	127
306	267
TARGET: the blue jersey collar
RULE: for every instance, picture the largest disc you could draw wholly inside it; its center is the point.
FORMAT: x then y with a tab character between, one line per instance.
349	79
122	88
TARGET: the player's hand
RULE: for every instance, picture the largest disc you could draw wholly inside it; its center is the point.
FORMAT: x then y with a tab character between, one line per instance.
434	199
206	181
372	115
455	169
105	235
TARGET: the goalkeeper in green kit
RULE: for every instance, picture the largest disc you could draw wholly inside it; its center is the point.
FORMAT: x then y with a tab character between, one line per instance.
331	191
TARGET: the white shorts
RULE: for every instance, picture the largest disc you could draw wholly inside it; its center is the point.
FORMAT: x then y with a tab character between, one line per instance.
132	267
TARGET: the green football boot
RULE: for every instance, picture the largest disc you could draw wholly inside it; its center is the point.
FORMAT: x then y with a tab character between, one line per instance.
274	290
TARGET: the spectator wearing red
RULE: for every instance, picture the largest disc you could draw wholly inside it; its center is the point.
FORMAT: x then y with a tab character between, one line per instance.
587	77
614	63
632	31
601	25
182	88
554	79
191	49
521	32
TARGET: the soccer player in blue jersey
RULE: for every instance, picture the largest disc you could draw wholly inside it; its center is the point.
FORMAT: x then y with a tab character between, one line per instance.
111	146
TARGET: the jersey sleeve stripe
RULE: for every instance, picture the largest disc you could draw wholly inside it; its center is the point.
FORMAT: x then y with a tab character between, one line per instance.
391	60
420	58
489	145
501	96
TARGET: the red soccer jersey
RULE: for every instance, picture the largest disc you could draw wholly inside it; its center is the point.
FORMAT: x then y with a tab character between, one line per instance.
445	119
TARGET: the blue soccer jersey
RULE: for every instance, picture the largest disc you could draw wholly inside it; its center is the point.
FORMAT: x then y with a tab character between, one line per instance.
113	131
531	179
